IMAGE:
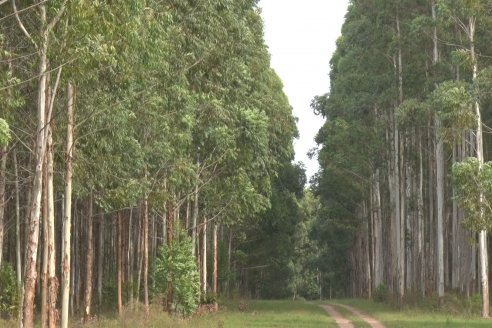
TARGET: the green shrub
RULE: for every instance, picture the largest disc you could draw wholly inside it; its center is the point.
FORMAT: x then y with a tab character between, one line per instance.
9	291
209	298
176	265
381	293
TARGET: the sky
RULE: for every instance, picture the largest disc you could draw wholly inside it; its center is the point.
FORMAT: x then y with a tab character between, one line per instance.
301	36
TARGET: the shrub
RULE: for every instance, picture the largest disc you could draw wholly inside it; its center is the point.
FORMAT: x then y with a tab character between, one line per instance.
381	293
209	298
176	265
9	291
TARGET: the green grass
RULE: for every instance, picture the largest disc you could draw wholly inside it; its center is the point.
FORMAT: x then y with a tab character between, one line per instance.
290	314
264	314
416	318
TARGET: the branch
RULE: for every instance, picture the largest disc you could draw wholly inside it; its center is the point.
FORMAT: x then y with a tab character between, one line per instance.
57	17
52	100
37	76
21	25
22	10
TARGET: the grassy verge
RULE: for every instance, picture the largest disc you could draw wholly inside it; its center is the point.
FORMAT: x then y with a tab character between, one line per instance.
255	314
417	318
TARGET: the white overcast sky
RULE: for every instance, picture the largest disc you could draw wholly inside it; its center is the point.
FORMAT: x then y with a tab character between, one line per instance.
301	36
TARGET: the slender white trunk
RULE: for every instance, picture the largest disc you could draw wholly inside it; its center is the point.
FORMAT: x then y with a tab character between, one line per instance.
89	260
377	233
3	167
17	222
195	215
30	273
52	279
484	266
145	243
67	217
215	272
204	257
439	153
100	259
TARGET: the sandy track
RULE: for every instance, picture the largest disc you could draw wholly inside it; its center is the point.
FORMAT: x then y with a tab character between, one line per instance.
374	323
339	319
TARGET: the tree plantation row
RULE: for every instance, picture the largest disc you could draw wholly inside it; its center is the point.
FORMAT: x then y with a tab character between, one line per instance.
146	157
404	184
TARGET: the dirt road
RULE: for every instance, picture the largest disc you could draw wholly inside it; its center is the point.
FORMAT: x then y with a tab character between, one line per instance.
345	323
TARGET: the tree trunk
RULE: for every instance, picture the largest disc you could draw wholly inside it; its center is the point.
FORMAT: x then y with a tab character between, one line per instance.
119	256
169	239
130	258
421	234
30	274
204	257
3	168
195	215
484	266
89	260
215	272
52	279
100	259
44	272
377	233
145	243
17	222
67	219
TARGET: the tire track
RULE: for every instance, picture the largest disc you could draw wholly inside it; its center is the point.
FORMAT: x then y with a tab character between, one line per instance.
373	322
339	319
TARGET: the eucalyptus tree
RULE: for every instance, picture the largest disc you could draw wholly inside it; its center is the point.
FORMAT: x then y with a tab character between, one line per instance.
465	15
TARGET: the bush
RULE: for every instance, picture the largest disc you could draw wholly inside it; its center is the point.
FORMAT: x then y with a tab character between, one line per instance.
209	298
9	291
176	265
381	293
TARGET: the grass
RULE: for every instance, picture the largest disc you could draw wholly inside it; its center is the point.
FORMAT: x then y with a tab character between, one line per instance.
257	314
289	314
418	317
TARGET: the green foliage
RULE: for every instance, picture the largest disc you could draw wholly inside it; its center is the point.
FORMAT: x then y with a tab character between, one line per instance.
453	101
381	293
176	265
411	112
209	298
9	291
471	183
4	132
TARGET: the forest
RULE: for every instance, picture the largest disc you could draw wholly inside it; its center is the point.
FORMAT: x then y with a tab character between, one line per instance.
404	183
147	159
145	146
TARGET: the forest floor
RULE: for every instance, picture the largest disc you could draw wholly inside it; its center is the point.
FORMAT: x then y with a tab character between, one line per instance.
290	314
282	313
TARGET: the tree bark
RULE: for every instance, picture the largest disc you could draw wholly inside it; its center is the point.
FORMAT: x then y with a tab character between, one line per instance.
100	259
204	257
67	219
484	266
44	272
215	272
17	222
89	260
3	168
119	256
195	216
145	243
52	279
130	258
30	274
